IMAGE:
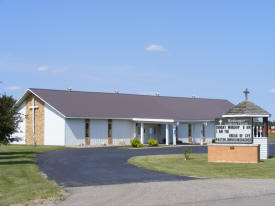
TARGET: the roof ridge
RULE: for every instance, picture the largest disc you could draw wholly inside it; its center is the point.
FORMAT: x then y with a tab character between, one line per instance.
147	95
85	104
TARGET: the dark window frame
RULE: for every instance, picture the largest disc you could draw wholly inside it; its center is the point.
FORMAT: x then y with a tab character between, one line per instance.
189	130
109	128
87	128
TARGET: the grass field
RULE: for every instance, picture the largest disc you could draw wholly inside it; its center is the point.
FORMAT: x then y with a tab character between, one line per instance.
271	135
20	180
198	166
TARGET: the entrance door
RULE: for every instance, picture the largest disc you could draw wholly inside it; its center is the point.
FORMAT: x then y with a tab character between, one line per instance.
150	132
110	139
87	132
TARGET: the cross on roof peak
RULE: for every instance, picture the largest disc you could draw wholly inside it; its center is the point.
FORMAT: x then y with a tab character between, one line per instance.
246	92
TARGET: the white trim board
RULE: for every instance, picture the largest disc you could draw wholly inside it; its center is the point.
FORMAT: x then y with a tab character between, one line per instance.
246	115
153	120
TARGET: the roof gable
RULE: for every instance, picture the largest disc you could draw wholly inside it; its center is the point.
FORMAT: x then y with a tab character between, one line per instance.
247	108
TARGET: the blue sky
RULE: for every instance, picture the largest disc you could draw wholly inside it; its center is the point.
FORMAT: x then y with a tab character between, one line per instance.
211	49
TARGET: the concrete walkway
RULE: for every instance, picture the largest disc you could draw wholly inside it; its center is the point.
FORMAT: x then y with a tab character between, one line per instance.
214	192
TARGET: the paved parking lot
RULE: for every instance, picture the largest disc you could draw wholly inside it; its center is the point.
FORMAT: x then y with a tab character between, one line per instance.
104	166
102	176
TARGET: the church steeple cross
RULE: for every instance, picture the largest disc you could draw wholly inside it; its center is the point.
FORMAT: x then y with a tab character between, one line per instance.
33	107
246	92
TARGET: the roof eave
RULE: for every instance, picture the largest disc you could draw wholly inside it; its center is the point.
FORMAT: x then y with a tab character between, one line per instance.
246	115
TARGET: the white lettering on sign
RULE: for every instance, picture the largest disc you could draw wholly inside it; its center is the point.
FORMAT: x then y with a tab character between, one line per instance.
233	131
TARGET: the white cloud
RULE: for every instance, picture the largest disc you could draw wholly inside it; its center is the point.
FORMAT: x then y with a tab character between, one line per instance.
13	87
42	68
155	48
272	90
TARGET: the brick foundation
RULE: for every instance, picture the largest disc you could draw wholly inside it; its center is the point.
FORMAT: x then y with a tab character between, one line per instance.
234	153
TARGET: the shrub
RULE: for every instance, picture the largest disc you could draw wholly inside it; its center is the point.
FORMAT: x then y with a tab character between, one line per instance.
136	143
153	142
187	152
213	140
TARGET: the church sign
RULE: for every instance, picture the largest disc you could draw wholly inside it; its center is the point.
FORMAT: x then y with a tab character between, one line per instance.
233	130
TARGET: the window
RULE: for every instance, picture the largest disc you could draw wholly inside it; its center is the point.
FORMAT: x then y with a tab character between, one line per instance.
109	128
87	128
203	130
189	130
138	130
150	130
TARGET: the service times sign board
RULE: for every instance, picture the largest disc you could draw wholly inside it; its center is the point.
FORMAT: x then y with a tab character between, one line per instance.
233	130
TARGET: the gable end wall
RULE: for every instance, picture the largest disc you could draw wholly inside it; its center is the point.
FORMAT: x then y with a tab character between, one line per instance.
38	136
54	127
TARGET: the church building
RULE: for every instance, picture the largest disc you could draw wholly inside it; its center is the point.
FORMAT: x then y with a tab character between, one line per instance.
66	117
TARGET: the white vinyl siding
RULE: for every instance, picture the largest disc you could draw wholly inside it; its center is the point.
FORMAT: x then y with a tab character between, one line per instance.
75	131
210	131
98	131
54	127
196	133
122	131
183	133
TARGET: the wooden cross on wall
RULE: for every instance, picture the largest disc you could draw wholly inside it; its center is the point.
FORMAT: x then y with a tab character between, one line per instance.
33	107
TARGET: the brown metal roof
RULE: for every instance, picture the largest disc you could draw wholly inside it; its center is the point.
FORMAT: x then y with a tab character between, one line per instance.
111	105
247	108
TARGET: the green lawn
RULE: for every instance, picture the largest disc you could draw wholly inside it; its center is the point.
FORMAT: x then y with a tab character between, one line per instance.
20	180
271	135
198	166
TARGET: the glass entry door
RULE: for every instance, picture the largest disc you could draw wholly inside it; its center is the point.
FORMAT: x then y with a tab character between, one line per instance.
150	132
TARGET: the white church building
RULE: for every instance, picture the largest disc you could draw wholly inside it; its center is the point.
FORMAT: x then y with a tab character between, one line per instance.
66	117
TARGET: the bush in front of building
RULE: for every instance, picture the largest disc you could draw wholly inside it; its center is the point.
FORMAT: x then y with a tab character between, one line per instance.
136	143
187	153
153	143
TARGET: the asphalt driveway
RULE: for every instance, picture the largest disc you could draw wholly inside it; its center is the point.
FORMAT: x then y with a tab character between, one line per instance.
104	166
